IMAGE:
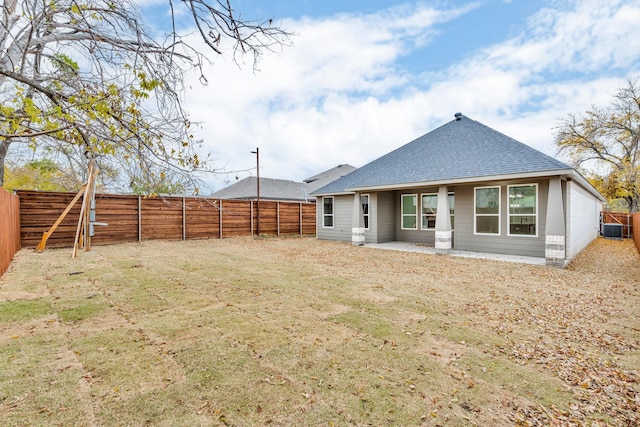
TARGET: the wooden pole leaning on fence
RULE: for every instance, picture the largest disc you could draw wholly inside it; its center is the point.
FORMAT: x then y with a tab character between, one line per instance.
83	222
85	190
55	225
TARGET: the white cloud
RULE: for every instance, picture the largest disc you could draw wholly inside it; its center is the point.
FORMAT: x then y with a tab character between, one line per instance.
339	96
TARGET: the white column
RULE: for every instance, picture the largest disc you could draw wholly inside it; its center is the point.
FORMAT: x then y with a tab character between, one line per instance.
554	239
357	230
443	222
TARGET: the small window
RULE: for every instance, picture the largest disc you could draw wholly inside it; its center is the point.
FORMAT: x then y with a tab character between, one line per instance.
430	210
452	200
327	212
364	199
523	210
409	210
487	210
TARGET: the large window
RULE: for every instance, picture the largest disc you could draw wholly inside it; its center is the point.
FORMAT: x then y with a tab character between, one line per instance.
487	210
429	210
523	210
409	211
364	199
327	212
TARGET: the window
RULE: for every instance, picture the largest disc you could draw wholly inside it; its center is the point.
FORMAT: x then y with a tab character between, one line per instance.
452	200
409	211
523	210
487	210
327	212
364	199
430	209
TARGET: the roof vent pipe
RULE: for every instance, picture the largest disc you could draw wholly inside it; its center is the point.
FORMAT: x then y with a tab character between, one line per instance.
458	116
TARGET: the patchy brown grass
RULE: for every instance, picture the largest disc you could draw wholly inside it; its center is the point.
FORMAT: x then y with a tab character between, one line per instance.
306	332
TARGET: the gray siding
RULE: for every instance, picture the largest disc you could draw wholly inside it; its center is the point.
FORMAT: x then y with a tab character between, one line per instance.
385	220
464	239
342	219
415	236
386	212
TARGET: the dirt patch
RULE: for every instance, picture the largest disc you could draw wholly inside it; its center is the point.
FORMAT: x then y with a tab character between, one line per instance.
306	332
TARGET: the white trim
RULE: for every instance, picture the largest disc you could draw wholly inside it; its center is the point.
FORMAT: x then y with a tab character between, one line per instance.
332	214
509	211
402	214
499	214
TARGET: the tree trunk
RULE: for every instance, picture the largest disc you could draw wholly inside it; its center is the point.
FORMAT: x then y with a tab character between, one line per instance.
4	147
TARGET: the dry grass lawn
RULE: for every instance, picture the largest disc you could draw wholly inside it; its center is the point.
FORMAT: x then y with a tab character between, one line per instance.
304	332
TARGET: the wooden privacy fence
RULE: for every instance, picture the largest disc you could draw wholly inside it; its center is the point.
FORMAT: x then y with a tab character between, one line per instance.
636	230
622	219
9	228
135	218
630	224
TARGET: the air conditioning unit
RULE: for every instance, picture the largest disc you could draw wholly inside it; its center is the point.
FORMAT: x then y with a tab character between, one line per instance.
612	231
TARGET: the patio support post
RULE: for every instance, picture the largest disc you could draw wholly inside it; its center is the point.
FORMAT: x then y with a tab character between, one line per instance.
443	222
554	239
357	230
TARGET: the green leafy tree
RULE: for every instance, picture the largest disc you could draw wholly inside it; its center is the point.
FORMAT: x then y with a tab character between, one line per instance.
86	77
44	175
605	145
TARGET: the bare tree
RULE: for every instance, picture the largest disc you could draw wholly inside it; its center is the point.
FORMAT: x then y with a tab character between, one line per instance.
88	75
605	143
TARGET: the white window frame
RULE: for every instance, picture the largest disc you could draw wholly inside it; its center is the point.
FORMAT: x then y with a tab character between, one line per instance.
510	215
332	214
476	215
402	214
366	218
422	215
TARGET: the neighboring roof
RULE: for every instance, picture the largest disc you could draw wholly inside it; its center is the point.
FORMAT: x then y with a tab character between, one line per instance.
324	178
270	189
280	189
461	150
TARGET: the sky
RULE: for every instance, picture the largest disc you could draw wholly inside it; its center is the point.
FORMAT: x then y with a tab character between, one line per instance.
361	78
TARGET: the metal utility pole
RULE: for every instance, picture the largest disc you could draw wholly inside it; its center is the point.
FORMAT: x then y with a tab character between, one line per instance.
257	153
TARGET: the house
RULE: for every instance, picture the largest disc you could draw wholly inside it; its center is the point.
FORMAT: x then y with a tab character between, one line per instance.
280	189
467	187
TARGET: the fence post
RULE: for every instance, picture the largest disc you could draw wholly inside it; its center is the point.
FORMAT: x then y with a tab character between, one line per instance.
278	217
184	220
251	217
139	219
220	220
300	208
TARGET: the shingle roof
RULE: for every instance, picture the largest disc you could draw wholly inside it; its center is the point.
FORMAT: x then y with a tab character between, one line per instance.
324	178
280	189
460	149
270	189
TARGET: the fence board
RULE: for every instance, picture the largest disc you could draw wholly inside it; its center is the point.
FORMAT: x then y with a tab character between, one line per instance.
9	227
159	218
636	230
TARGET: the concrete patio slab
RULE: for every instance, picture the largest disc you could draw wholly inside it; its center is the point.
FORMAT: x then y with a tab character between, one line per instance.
424	248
